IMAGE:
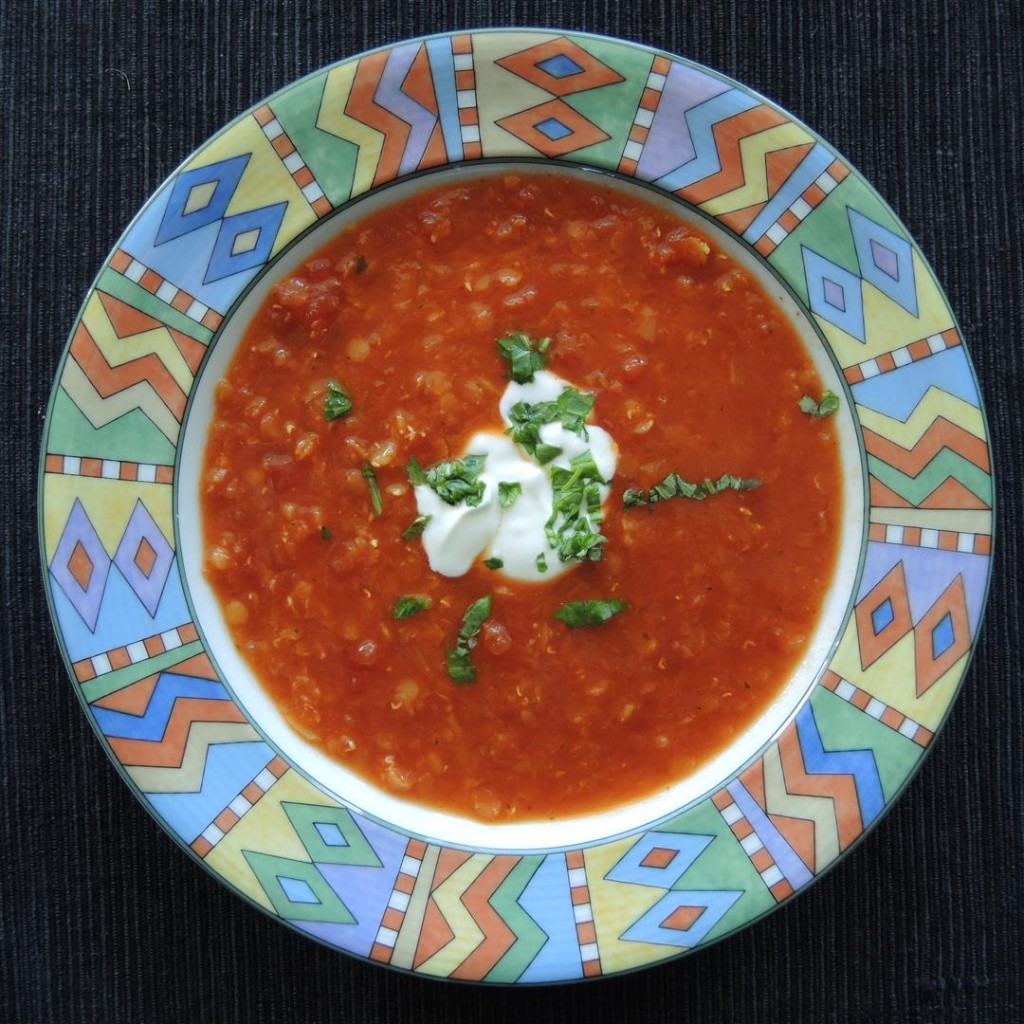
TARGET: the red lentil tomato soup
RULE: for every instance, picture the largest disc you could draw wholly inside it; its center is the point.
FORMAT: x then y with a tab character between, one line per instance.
307	503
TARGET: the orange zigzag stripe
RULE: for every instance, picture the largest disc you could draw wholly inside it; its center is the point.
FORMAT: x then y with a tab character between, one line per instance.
168	751
363	107
941	434
728	136
109	380
840	789
498	937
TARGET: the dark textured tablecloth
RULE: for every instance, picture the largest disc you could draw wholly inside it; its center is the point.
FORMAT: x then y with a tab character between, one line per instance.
103	917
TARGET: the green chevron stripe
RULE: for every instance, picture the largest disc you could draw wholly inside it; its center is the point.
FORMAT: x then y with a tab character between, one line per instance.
842	726
530	937
135	295
132	437
94	689
945	464
331	159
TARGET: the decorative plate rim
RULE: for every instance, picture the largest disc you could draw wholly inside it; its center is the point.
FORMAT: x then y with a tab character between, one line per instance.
276	839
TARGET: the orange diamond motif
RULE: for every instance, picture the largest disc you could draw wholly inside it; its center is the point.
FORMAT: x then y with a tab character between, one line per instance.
80	566
145	557
560	67
553	128
659	857
883	616
683	918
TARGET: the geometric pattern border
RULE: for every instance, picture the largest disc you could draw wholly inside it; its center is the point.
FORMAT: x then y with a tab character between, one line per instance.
206	770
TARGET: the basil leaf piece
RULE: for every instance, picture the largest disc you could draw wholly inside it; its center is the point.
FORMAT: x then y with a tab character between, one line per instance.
409	605
542	563
508	493
494	563
576	515
336	402
416	527
375	498
525	356
571	409
674	486
460	658
826	407
452	480
589	613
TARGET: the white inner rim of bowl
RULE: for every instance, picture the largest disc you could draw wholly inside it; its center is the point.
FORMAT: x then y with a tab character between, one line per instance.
424	822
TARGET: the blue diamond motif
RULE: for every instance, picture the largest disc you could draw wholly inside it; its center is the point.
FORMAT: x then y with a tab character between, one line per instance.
297	890
236	249
886	260
635	867
560	66
179	219
834	294
553	129
882	616
330	833
651	927
943	636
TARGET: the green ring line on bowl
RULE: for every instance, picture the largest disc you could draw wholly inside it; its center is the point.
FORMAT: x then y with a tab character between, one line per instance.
111	541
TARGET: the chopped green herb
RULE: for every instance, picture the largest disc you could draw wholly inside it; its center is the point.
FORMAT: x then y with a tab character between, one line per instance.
453	480
375	499
336	401
460	658
508	492
411	604
571	409
574	527
494	563
325	532
525	356
361	264
416	527
589	613
542	563
829	404
674	486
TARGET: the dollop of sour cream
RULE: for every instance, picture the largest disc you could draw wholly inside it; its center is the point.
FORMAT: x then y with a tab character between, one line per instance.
457	535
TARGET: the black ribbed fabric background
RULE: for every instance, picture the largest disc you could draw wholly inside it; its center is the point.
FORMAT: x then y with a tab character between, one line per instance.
103	917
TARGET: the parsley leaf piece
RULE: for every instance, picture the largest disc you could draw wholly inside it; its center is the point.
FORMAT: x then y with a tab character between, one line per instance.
336	402
460	658
589	613
525	356
494	563
574	527
674	486
325	533
508	493
542	563
453	480
826	407
375	499
416	527
409	605
571	409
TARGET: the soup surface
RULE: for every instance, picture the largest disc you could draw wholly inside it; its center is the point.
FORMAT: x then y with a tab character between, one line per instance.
307	504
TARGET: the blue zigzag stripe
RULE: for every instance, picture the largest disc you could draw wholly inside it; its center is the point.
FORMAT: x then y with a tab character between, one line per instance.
152	724
701	121
858	763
